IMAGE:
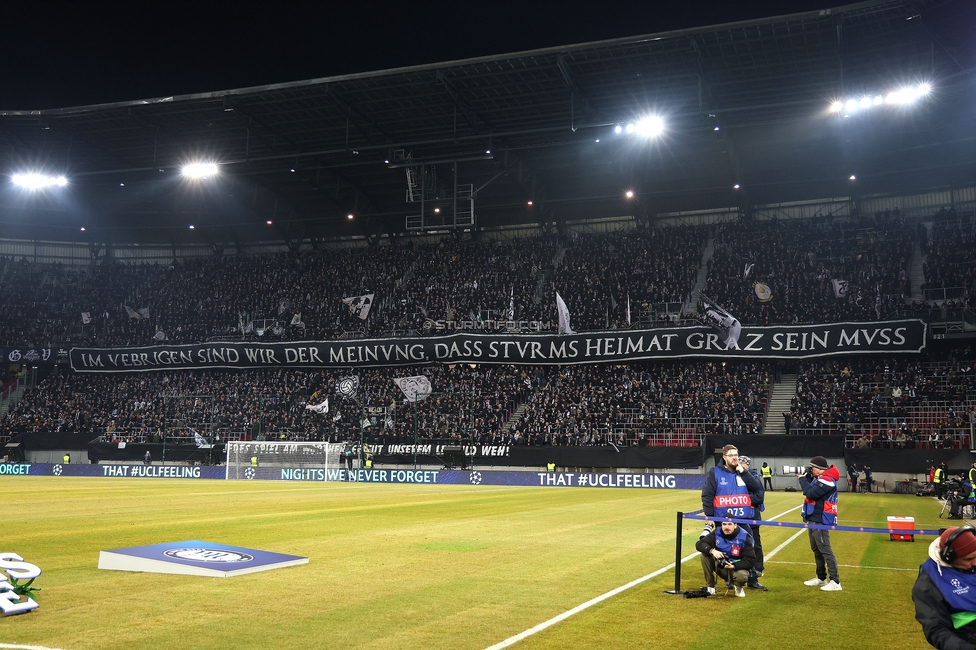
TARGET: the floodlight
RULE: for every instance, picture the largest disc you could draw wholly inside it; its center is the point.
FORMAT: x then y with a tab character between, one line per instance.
837	106
437	210
192	226
268	222
852	178
865	102
878	100
850	105
35	181
618	129
923	89
735	187
598	139
716	129
630	194
630	128
200	170
650	126
348	216
82	229
530	202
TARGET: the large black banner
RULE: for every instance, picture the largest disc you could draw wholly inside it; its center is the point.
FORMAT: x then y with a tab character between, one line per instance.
775	342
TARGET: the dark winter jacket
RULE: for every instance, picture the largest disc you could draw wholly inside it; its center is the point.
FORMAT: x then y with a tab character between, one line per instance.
746	560
818	491
753	486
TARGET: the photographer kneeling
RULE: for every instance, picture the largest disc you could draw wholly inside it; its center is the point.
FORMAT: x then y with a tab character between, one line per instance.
727	551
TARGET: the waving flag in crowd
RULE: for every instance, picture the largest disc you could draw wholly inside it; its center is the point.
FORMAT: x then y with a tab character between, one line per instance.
85	318
563	312
322	408
359	305
727	324
415	389
133	313
840	288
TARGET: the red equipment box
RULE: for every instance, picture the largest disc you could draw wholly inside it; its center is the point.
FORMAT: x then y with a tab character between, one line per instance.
901	523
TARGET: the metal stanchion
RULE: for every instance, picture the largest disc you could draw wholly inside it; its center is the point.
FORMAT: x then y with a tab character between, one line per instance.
677	558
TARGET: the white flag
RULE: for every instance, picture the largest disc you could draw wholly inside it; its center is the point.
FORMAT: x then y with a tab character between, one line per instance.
746	271
415	389
199	440
144	312
283	307
160	335
296	320
840	288
85	318
628	309
726	323
511	304
322	408
563	311
133	313
359	305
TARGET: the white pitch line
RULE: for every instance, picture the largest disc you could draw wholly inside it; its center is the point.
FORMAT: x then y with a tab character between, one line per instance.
610	594
26	647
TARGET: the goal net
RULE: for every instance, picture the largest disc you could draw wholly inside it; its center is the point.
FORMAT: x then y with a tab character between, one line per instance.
307	461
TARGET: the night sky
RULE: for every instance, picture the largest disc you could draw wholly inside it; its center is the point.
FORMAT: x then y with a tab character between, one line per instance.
79	53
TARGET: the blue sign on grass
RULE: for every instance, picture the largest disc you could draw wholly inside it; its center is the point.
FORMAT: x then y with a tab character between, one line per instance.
195	558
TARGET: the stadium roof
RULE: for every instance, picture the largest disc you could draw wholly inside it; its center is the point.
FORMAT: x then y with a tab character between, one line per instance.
743	103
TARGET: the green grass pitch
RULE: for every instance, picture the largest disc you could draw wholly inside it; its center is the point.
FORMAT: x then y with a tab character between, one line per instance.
402	566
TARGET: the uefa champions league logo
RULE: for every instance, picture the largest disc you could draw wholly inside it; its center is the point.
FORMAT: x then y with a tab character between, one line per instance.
475	478
207	555
249	473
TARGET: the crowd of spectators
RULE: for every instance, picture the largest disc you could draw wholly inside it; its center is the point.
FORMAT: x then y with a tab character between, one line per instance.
798	260
641	403
895	403
598	275
577	405
951	263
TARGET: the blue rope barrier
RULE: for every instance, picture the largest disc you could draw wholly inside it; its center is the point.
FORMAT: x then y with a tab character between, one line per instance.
787	524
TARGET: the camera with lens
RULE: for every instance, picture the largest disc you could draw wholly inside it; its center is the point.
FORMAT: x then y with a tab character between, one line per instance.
952	485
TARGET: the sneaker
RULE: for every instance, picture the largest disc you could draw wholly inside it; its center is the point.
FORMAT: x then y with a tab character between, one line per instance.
755	586
741	593
709	590
816	582
832	586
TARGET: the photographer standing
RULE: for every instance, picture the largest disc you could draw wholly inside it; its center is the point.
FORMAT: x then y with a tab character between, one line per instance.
819	485
729	552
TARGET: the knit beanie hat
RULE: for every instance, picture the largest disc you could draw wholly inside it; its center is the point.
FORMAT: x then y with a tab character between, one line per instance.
745	460
819	462
962	545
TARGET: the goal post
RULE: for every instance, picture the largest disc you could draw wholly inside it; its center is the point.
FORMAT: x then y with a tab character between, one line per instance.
277	460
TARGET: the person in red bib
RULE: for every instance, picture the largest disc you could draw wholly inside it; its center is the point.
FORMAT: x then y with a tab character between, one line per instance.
945	590
819	485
